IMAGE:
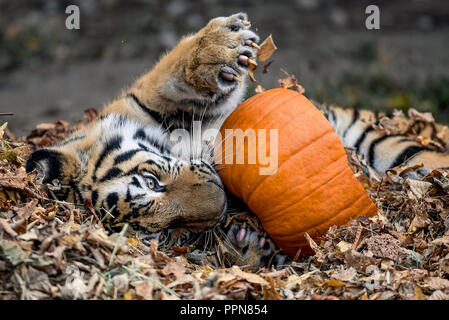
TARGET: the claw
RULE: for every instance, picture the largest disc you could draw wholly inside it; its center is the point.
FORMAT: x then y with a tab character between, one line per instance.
255	45
237	79
251	61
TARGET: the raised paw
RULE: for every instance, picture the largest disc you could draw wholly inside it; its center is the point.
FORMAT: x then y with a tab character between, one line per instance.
252	250
226	48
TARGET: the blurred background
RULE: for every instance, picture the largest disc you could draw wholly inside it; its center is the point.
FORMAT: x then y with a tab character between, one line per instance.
48	72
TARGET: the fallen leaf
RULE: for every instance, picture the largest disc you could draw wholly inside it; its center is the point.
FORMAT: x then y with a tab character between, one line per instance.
334	283
250	277
436	283
177	268
384	246
121	283
419	188
439	295
345	275
319	254
144	290
358	260
13	252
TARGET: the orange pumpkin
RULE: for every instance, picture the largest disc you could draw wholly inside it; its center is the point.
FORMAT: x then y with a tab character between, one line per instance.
313	187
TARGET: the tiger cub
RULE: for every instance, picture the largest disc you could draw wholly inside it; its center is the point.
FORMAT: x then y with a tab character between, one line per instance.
125	162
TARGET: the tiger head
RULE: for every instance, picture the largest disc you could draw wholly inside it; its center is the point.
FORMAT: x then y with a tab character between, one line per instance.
130	173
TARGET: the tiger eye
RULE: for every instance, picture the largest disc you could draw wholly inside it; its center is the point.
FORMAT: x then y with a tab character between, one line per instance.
151	184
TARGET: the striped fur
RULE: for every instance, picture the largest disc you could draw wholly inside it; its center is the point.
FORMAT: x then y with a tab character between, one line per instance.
360	129
130	174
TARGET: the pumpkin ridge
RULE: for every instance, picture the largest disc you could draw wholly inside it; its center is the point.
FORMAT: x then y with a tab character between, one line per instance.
286	237
306	196
292	155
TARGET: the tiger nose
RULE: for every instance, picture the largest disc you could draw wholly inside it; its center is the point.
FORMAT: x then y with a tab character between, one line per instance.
214	199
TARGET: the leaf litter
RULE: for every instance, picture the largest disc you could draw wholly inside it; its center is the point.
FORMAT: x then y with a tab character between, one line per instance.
59	250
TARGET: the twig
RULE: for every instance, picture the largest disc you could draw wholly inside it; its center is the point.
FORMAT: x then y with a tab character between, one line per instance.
90	208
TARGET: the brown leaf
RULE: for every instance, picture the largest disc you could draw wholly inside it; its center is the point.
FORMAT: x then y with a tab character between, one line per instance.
157	255
421	220
419	188
318	297
177	251
415	115
121	283
439	295
418	294
384	246
267	47
320	256
291	82
358	260
269	292
250	277
334	283
144	290
436	283
345	275
177	268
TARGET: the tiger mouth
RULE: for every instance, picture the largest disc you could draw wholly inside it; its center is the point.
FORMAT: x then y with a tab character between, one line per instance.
201	225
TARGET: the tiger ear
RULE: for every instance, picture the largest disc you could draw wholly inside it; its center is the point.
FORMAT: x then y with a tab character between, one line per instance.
54	164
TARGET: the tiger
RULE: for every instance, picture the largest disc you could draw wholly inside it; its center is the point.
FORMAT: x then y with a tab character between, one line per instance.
386	141
126	164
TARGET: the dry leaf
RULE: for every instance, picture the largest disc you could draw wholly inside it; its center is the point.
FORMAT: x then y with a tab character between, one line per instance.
259	89
436	283
291	82
419	188
345	275
415	115
121	283
358	260
177	268
250	277
267	47
334	283
144	290
320	256
384	246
